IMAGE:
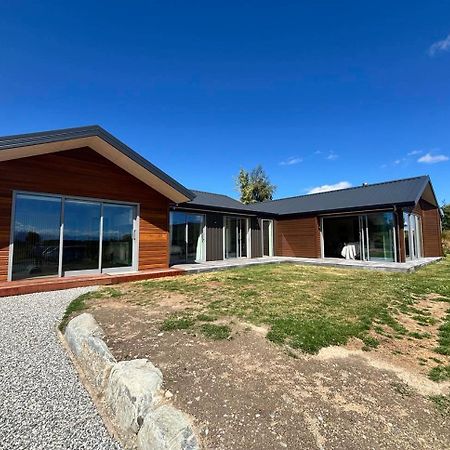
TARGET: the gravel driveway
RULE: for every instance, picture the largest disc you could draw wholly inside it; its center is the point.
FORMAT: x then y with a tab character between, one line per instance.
42	403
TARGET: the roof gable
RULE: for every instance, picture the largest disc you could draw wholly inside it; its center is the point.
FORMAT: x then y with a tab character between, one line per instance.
99	140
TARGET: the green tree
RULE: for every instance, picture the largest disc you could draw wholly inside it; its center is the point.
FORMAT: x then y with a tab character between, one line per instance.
254	186
446	218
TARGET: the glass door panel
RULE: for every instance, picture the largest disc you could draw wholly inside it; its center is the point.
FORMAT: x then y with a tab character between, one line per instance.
81	248
194	233
36	234
177	238
242	232
267	238
118	231
380	236
231	237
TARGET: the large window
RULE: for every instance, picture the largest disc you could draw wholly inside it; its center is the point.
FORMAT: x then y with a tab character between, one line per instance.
364	236
186	237
36	236
56	235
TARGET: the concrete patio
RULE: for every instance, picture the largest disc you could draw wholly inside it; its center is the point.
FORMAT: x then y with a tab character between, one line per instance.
212	266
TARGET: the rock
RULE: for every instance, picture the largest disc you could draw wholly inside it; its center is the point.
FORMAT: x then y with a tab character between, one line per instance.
79	329
84	337
168	394
166	428
133	390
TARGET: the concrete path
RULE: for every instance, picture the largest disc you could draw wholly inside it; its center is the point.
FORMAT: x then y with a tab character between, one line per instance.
42	403
211	266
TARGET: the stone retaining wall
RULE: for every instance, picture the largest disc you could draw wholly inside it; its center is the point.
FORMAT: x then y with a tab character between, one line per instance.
131	391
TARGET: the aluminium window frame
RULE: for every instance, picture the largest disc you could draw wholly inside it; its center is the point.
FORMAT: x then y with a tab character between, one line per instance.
136	229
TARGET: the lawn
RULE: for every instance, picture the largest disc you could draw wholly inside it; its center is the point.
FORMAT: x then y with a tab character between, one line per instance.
308	307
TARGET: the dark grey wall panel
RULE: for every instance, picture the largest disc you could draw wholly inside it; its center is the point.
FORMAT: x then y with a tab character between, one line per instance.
256	237
214	237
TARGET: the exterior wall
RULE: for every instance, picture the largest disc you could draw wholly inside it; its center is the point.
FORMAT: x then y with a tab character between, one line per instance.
84	173
214	236
256	236
298	237
431	227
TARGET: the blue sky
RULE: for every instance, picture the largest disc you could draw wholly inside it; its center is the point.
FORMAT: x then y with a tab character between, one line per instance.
320	93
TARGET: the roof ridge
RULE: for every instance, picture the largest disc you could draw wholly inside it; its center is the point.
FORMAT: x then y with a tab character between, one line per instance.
214	193
344	189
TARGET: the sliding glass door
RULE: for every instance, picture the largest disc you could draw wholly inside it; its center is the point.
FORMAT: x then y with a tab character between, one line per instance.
36	236
81	242
186	237
412	231
236	231
56	235
368	237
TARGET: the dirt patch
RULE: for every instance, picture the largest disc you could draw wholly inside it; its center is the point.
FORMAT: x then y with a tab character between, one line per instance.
247	393
413	351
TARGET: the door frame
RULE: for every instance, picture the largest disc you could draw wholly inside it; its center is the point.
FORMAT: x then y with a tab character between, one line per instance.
271	240
186	233
239	237
63	197
363	232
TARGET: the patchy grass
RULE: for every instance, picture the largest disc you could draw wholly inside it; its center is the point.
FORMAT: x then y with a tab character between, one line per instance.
80	304
442	403
444	337
206	318
177	323
216	332
439	373
309	307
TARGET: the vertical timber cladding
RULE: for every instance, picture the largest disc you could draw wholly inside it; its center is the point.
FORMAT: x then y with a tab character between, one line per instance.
214	236
298	237
256	236
431	228
84	173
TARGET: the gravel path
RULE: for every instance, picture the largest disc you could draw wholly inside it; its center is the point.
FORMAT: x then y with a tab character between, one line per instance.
43	405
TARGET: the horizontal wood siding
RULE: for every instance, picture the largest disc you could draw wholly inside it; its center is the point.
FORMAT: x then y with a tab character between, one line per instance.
214	237
84	173
298	237
431	227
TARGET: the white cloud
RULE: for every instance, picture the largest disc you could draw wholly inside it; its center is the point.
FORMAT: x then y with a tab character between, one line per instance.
332	156
415	152
330	187
440	46
432	159
291	161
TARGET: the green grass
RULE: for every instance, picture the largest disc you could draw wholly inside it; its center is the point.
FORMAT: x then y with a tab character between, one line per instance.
444	336
177	323
310	307
439	373
215	332
442	403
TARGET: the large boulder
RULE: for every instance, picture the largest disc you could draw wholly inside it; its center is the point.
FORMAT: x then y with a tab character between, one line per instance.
167	428
84	338
133	390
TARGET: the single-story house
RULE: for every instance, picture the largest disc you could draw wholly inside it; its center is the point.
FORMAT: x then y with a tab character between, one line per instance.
78	201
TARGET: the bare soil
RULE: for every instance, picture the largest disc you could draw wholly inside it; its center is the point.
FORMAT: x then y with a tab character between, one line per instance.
247	393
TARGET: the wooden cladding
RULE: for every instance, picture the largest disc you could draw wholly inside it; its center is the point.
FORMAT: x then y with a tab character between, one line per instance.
431	228
298	237
84	173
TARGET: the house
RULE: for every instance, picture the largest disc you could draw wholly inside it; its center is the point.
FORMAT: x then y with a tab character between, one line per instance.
78	201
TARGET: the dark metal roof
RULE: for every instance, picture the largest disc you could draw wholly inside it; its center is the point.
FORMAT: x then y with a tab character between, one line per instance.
405	192
219	202
399	192
23	140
